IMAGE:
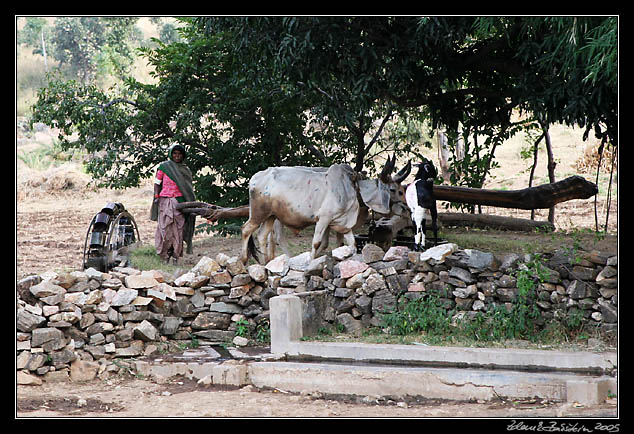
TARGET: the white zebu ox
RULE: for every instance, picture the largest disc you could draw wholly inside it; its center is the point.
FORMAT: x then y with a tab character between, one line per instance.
329	198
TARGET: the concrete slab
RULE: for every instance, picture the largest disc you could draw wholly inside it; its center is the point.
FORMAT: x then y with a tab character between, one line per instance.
286	334
431	383
234	374
399	370
392	381
590	391
492	358
286	322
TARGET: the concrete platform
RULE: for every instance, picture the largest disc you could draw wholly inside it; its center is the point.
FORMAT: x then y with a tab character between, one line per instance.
431	383
434	372
456	357
272	371
396	370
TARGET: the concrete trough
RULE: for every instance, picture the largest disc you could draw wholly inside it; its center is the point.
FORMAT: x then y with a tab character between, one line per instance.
397	370
431	383
458	357
432	372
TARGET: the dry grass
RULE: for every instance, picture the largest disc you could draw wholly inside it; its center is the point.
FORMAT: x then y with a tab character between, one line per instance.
54	180
589	160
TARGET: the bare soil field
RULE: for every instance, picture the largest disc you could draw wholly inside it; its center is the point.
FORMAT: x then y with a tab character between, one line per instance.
51	230
54	207
53	211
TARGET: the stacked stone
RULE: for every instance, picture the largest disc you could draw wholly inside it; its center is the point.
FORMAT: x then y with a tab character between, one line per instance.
369	283
362	285
588	285
89	315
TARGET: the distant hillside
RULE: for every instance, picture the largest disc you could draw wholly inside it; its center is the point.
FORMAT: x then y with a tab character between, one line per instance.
31	71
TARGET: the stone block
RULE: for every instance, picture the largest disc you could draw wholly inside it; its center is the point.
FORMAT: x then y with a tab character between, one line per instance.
372	253
351	267
257	272
140	281
146	331
286	322
343	252
83	370
590	391
199	371
206	266
231	374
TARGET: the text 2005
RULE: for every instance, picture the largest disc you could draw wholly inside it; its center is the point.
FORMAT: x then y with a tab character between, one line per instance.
607	428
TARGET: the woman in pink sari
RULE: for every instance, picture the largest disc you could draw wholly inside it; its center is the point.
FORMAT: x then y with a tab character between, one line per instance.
173	184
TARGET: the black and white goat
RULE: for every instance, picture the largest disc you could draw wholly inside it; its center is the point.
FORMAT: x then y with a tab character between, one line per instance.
420	200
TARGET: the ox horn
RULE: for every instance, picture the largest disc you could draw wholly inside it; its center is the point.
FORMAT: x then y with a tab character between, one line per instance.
403	173
388	169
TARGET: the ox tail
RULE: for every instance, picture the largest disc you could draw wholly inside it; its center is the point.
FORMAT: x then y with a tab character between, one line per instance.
253	250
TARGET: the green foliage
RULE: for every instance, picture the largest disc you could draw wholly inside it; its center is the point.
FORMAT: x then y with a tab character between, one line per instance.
259	332
146	258
35	33
246	93
522	320
242	327
262	333
80	42
193	343
233	120
425	314
169	33
575	66
88	120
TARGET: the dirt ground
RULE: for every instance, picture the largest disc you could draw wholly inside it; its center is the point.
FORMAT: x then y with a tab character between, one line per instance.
183	398
54	206
51	229
51	225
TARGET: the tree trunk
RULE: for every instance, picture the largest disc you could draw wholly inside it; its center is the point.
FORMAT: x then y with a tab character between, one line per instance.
493	222
44	51
443	155
530	177
551	169
359	134
543	196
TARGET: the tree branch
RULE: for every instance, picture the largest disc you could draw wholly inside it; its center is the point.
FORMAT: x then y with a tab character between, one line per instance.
409	102
379	131
316	152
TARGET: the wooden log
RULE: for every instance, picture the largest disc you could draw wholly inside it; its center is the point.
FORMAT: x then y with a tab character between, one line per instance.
220	213
542	196
212	212
493	222
194	204
198	208
203	212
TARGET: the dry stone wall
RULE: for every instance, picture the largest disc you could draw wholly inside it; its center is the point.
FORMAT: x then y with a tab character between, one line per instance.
92	316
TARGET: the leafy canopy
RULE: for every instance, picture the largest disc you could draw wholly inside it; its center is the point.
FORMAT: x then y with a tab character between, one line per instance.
245	93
